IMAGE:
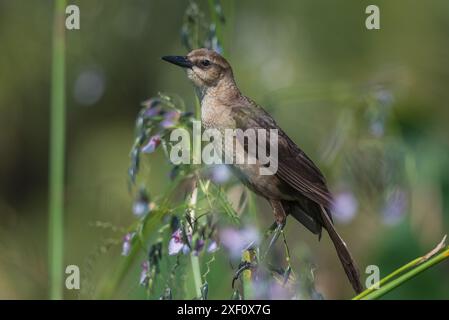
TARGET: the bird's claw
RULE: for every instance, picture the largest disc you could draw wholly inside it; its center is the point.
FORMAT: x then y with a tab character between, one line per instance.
244	265
271	229
276	233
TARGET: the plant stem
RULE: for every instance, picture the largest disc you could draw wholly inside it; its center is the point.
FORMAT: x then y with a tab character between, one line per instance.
195	262
387	278
407	276
247	277
56	157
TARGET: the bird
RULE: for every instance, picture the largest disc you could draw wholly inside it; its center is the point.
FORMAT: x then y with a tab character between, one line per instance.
297	188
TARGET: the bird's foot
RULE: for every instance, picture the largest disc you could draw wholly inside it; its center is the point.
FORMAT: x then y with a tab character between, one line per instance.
279	227
270	230
244	265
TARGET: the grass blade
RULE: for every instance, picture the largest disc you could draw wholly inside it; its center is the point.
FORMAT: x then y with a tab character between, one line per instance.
395	278
56	157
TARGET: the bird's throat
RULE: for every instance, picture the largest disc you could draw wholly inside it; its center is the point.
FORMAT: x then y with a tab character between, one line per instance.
223	92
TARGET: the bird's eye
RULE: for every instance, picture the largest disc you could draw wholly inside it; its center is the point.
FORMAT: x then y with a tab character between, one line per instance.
205	63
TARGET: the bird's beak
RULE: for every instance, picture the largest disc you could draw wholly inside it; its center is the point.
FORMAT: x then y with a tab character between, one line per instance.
179	61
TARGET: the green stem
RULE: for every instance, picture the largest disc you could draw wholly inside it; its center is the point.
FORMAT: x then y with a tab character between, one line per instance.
387	278
195	262
247	277
407	276
56	156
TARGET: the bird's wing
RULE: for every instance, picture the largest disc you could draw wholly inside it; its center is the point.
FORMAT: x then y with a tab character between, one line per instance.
294	167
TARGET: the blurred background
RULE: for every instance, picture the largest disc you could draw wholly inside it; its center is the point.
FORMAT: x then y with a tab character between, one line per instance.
369	107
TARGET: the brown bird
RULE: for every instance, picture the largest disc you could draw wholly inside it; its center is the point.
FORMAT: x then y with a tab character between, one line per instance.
297	188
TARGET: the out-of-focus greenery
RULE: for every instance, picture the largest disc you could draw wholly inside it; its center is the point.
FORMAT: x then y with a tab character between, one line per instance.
56	161
370	107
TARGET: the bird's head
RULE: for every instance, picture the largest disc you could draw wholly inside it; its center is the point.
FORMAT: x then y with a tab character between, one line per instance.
205	68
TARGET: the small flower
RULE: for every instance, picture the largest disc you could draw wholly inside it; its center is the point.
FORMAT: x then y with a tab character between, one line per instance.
345	206
152	144
238	240
142	204
170	119
152	108
176	244
144	274
212	247
140	208
199	245
185	249
220	174
126	247
152	112
151	103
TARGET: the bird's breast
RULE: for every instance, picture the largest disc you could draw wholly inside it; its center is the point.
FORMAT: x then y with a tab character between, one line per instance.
216	116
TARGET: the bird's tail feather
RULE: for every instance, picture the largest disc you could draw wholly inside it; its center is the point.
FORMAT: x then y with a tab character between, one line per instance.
344	255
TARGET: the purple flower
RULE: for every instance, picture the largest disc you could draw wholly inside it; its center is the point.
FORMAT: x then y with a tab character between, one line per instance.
345	206
126	247
199	245
185	249
237	241
144	274
152	144
220	174
170	119
152	108
140	208
152	112
151	103
176	244
395	207
212	247
141	205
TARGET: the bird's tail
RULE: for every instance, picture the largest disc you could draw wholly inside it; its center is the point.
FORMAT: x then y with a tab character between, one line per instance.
343	253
